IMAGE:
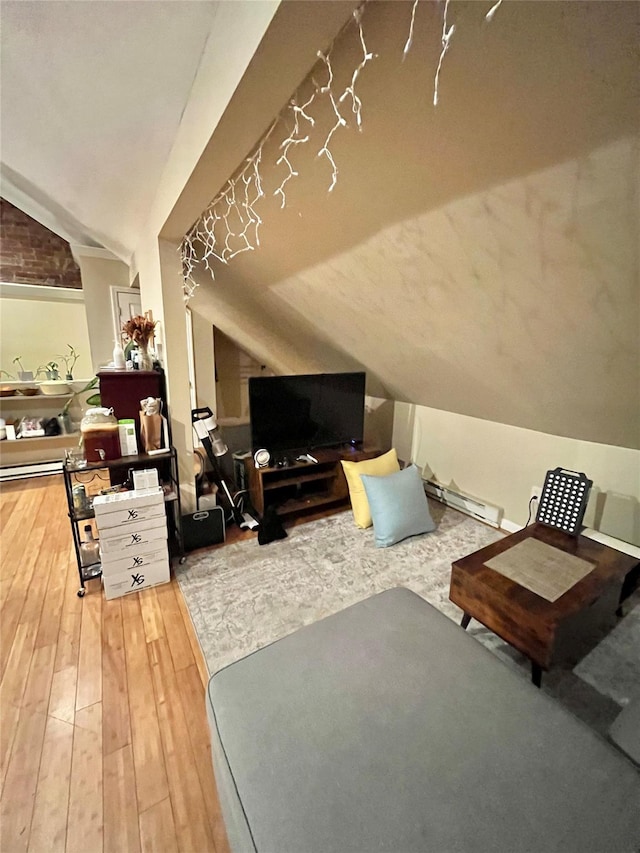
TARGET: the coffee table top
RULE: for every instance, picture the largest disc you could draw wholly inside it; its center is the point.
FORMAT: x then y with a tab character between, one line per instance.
521	617
608	565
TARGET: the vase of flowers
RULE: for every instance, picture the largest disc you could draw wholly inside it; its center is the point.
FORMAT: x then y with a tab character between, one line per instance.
140	330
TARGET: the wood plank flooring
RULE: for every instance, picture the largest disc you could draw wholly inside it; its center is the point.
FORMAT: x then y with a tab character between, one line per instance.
104	740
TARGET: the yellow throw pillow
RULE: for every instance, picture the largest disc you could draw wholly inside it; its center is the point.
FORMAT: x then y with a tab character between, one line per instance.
378	467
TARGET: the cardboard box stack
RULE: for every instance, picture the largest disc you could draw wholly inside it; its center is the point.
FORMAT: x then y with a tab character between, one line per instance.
132	527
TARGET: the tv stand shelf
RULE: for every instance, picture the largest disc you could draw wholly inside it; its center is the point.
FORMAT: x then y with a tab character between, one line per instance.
304	487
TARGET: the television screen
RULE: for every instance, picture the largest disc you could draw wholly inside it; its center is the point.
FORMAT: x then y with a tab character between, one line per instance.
302	412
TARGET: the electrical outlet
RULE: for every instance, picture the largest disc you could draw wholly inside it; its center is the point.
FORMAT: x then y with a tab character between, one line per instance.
536	491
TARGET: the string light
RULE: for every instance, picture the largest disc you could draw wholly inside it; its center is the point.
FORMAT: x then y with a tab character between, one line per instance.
291	140
407	46
340	121
217	217
446	38
231	222
493	10
216	232
356	103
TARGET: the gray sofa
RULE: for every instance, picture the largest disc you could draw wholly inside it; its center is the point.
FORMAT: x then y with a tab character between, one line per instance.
387	728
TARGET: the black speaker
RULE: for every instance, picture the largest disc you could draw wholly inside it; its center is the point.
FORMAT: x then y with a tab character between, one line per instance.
203	528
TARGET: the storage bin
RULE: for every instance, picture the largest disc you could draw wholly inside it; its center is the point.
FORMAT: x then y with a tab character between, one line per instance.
136	579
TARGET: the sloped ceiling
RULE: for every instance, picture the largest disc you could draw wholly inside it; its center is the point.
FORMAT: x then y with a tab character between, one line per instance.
92	96
479	257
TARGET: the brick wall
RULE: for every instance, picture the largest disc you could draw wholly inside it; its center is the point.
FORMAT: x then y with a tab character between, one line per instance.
31	254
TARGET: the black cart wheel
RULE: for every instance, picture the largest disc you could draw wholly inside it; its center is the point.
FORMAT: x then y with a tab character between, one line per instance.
81	592
182	560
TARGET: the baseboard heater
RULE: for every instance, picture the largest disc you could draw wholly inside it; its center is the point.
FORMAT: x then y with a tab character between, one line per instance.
35	469
471	506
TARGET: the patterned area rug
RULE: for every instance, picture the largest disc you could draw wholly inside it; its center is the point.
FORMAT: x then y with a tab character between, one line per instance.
244	596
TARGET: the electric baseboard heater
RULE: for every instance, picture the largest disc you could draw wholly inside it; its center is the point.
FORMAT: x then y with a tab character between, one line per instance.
471	506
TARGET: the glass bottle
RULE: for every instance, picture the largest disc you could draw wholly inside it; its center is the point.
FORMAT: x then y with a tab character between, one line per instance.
89	548
118	355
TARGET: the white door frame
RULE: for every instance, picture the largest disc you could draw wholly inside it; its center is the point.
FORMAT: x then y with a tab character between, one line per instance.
116	307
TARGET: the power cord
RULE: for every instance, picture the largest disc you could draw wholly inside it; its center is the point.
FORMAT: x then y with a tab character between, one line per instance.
531	500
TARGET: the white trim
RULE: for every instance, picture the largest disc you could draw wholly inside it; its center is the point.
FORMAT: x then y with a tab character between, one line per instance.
191	363
80	251
114	290
618	544
34	469
68	230
40	292
596	535
510	526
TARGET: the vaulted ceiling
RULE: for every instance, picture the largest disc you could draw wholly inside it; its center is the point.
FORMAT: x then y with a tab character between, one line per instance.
92	97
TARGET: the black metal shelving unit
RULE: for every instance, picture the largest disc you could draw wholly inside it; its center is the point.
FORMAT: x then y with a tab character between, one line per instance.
118	473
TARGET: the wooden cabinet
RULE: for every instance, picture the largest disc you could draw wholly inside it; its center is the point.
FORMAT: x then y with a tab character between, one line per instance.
304	487
122	390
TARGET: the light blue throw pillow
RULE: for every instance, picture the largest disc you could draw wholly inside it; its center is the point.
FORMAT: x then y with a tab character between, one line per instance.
398	506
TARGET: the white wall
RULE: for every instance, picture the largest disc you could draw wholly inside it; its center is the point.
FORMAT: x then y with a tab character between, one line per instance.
99	275
500	464
37	323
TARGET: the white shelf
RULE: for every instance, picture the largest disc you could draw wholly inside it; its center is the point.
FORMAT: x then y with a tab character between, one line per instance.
39	449
54	440
33	398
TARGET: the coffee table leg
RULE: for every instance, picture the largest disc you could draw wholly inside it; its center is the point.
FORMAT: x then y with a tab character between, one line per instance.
536	674
466	618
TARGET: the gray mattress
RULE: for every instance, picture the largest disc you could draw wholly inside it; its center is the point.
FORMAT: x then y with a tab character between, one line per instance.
387	728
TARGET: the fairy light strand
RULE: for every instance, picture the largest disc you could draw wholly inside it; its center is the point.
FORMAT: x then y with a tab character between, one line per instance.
340	120
231	222
290	142
409	42
446	38
356	103
493	10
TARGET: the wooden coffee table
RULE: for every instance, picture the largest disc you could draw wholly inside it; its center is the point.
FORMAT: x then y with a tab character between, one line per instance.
524	619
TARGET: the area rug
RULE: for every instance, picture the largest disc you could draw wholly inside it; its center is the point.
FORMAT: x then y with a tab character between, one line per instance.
244	596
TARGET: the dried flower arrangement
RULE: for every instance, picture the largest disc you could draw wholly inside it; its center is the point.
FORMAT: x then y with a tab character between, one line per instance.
139	330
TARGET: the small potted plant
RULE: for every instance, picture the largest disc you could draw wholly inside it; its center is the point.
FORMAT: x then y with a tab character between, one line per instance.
69	360
50	370
23	375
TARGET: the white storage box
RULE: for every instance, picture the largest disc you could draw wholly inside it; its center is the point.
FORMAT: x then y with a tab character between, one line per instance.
124	509
133	539
135	559
136	579
127	433
145	478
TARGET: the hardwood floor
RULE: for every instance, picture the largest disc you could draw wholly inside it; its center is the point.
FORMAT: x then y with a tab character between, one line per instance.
104	740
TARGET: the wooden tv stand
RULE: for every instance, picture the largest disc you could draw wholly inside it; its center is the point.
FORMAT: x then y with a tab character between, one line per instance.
302	488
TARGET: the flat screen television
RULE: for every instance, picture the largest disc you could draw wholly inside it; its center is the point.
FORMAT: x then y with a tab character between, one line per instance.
302	412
